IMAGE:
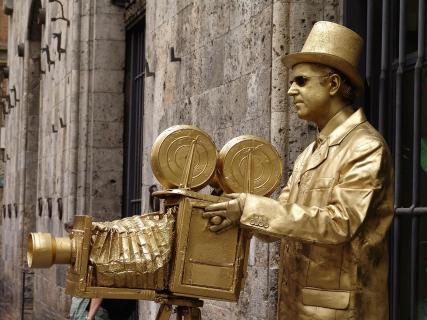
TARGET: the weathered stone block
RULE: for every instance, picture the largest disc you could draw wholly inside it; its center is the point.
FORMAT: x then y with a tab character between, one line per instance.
106	159
248	46
108	81
212	63
213	19
107	135
109	55
186	28
109	27
105	6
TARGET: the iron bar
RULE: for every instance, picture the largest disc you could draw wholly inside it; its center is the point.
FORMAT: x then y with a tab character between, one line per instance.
395	269
58	36
417	104
147	71
398	154
173	58
139	83
413	268
399	99
416	157
385	31
369	55
128	113
137	98
411	211
62	17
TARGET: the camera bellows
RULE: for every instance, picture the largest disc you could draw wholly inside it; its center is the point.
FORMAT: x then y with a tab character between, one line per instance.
133	252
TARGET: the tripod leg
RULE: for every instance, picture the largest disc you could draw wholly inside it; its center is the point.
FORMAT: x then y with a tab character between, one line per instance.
193	314
164	312
180	312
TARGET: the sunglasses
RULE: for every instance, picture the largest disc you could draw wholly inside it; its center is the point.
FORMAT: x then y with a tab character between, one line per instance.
302	80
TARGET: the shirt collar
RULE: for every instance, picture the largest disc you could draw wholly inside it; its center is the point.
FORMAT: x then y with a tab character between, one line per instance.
340	125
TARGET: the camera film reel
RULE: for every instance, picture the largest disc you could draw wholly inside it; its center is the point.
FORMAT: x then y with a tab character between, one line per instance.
183	156
249	164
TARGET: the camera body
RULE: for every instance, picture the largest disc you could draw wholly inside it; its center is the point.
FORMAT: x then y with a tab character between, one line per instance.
170	257
201	264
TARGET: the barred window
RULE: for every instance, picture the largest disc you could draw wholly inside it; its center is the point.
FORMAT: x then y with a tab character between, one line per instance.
396	101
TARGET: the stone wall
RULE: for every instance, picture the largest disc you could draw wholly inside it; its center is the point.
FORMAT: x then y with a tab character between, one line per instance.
3	88
64	138
65	134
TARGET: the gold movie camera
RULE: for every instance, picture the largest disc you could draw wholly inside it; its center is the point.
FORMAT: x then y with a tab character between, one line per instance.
169	257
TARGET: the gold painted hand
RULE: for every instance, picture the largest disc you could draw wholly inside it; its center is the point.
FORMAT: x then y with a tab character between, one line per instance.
225	215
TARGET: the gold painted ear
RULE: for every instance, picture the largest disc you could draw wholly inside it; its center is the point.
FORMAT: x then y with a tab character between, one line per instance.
335	83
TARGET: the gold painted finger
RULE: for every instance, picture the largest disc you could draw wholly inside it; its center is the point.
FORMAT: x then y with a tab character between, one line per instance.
220	227
212	214
225	229
232	195
217	206
216	220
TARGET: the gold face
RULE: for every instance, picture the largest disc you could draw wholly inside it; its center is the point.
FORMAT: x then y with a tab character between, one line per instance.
311	95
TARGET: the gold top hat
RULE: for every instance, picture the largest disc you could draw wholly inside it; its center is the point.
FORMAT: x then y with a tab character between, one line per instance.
333	45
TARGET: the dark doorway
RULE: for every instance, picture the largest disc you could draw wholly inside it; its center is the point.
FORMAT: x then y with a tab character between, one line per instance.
133	129
134	112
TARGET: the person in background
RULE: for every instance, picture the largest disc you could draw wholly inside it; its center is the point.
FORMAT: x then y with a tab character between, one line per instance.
80	306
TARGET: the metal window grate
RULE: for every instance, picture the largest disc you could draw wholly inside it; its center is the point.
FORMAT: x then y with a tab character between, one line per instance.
396	96
134	112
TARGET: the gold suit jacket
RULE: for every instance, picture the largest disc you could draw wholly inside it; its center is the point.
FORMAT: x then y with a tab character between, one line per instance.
333	218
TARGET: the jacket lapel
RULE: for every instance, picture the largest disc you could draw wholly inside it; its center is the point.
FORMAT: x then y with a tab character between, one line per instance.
319	155
316	158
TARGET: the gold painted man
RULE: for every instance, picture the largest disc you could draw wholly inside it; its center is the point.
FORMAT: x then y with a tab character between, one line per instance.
334	213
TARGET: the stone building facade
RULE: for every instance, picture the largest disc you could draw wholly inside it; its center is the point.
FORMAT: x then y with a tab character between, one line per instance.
73	90
3	92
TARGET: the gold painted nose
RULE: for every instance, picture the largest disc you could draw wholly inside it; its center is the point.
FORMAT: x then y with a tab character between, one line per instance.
45	250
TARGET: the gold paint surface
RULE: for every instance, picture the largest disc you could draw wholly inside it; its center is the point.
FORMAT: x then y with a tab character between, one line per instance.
45	250
333	45
333	219
249	164
207	264
183	156
132	252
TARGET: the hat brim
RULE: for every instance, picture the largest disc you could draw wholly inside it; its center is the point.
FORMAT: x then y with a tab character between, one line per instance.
335	62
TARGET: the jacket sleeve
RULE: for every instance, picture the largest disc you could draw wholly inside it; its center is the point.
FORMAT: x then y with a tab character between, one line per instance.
361	182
